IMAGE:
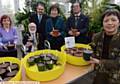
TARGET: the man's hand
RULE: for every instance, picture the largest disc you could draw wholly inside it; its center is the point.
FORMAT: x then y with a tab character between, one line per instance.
74	33
77	33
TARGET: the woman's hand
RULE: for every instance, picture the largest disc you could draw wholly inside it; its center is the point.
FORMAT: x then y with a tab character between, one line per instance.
55	35
28	44
5	47
15	46
1	46
94	60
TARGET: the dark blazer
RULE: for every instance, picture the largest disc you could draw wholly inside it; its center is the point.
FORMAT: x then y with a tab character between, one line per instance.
40	28
56	42
60	25
27	36
82	26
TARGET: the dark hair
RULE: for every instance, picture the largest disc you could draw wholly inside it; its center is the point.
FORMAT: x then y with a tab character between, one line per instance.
39	3
109	12
5	17
78	3
54	6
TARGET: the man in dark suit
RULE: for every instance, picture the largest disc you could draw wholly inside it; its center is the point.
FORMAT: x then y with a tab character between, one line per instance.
77	24
39	18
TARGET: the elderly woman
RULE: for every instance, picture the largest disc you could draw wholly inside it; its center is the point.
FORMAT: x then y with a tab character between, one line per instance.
30	39
55	28
106	46
8	37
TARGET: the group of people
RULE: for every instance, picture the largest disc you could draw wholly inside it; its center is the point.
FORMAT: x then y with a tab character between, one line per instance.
52	28
42	27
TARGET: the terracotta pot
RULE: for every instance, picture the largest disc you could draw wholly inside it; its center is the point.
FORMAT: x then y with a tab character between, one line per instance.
55	32
10	46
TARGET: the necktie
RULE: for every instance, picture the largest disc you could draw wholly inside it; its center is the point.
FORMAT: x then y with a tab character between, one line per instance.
39	18
76	21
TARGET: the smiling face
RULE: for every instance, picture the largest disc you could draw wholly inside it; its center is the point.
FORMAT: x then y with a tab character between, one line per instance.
32	27
111	24
54	12
6	23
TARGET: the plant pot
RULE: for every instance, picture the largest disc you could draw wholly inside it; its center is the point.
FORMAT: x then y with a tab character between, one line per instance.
55	32
11	47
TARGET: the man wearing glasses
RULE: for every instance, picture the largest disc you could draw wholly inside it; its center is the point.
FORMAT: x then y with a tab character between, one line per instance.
77	24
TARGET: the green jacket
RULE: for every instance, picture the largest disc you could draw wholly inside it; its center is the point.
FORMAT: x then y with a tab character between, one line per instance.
110	66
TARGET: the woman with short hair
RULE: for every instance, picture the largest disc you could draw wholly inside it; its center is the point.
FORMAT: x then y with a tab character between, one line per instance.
55	28
106	46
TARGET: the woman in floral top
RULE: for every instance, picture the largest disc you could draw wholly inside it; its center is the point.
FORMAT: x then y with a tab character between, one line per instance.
106	46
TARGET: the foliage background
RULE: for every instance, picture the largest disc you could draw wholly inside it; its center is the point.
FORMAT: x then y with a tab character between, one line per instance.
92	8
